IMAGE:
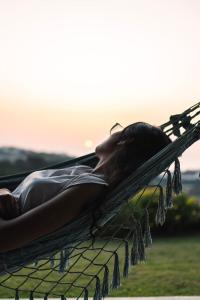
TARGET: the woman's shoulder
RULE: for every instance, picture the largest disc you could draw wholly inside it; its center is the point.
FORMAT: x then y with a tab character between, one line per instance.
76	169
72	175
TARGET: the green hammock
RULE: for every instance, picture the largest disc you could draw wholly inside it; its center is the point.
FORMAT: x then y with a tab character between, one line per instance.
76	260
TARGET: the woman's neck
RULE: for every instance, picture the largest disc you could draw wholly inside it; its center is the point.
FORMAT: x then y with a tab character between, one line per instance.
104	168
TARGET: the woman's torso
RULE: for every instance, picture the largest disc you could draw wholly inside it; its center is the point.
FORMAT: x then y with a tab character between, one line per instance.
40	186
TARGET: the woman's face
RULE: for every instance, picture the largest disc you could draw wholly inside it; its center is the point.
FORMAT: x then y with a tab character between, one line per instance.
109	145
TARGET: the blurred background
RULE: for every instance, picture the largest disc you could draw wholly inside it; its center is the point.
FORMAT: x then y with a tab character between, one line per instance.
69	70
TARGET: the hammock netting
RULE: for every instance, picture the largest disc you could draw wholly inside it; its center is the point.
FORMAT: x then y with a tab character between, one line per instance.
88	257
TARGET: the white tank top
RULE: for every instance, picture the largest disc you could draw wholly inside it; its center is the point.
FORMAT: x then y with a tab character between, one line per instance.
40	186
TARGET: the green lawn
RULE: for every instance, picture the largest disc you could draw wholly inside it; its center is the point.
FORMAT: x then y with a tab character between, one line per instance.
172	268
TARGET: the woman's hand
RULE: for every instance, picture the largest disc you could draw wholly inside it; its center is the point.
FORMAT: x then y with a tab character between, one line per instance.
9	207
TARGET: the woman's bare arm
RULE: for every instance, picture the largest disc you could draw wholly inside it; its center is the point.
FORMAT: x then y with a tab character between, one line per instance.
48	216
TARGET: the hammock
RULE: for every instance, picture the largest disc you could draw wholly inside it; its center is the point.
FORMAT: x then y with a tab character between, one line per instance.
76	259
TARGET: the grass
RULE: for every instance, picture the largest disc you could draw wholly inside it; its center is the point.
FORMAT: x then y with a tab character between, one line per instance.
172	268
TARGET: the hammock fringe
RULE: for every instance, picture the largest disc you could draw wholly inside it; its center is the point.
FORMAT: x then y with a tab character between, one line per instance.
176	182
51	260
105	284
147	229
141	248
169	190
126	259
134	249
85	294
116	272
64	260
46	296
160	213
97	294
16	294
31	295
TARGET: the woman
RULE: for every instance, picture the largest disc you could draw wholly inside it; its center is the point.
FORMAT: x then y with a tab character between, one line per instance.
48	199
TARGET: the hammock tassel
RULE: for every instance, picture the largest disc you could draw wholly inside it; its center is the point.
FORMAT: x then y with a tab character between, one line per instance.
85	294
116	273
97	294
147	232
176	182
134	249
16	294
160	213
31	295
35	263
105	285
46	296
126	260
61	264
169	203
141	248
51	260
64	255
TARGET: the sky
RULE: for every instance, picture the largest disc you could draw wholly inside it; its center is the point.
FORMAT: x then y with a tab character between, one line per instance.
71	69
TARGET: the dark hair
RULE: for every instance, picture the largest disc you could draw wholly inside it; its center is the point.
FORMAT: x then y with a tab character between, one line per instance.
138	142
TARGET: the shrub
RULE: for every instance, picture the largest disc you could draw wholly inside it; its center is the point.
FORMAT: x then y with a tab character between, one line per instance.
183	217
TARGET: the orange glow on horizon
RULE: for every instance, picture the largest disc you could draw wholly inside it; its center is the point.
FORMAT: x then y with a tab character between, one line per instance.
72	69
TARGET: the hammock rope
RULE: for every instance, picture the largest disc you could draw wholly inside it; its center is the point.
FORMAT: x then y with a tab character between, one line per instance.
82	258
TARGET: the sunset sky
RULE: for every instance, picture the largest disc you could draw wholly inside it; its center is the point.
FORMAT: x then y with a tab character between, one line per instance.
71	69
